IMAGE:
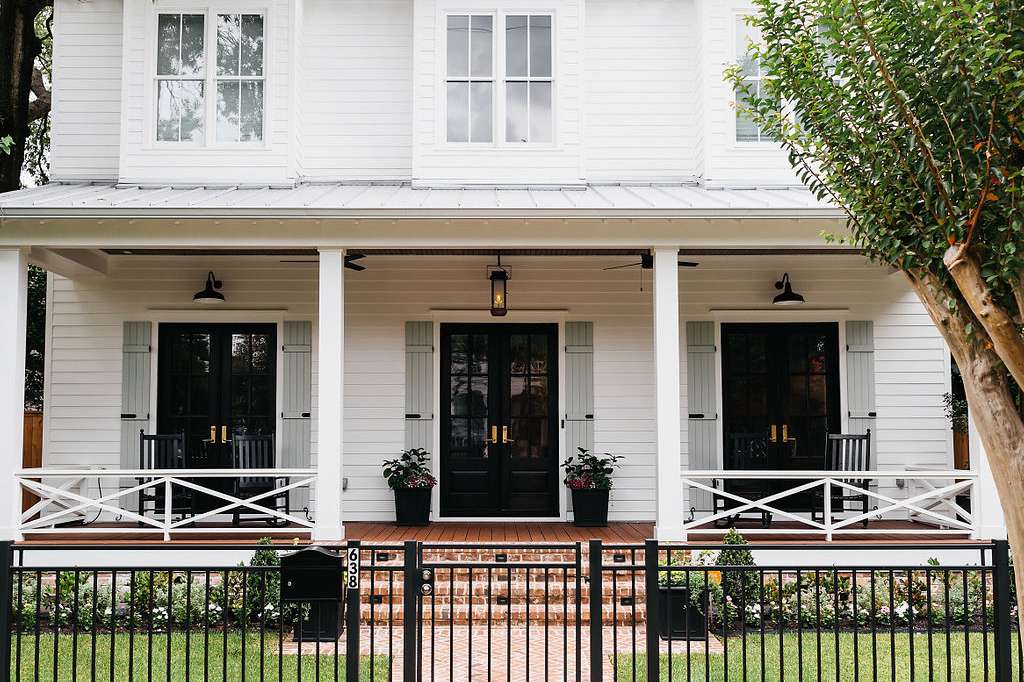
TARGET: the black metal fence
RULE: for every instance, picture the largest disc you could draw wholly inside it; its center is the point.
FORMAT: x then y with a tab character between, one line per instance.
511	611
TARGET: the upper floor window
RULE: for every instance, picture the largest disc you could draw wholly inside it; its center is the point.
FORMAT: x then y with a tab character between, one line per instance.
528	79
472	74
753	77
186	71
470	78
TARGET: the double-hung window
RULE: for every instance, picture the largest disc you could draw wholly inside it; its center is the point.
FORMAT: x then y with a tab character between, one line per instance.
188	72
753	78
528	80
470	78
180	78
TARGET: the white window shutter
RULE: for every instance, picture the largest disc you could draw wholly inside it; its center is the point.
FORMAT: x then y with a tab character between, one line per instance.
136	351
579	388
296	399
860	376
419	385
701	382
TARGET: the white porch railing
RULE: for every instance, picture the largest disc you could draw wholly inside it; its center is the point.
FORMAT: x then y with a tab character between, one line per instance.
930	499
67	495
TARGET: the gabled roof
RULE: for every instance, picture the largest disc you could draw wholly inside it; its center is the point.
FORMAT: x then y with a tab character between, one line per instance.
403	200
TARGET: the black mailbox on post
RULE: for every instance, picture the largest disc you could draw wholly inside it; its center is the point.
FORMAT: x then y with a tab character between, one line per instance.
314	578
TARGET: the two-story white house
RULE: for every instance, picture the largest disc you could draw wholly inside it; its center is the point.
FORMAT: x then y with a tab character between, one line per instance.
498	230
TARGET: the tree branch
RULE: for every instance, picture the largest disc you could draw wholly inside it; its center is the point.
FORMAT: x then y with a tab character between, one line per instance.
997	323
40	106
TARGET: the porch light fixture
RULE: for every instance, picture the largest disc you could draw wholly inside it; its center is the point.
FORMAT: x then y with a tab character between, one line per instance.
209	295
787	297
499	290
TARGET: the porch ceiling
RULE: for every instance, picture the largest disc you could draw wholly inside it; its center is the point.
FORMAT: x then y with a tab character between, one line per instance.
404	200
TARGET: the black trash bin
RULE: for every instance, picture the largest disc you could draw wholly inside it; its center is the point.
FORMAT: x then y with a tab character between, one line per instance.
314	579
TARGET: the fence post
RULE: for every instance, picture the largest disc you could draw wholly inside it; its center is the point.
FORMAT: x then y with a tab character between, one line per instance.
651	609
352	605
1001	601
6	588
596	621
410	610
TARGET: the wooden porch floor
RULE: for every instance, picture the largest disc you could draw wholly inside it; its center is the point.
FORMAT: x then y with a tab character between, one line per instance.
489	532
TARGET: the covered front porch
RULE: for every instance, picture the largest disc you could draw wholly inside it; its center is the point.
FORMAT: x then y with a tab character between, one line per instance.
329	360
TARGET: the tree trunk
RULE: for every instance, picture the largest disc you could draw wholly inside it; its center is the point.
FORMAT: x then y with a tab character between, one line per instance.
19	42
992	408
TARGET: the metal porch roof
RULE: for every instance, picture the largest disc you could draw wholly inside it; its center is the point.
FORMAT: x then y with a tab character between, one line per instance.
403	200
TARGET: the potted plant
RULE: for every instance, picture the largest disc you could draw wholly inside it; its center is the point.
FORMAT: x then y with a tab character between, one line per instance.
589	477
956	413
410	478
683	596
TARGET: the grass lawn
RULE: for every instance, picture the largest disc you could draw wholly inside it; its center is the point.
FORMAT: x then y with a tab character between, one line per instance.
713	668
70	669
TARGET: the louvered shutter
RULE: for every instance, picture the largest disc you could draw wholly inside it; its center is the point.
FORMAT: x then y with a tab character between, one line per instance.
702	405
296	402
419	385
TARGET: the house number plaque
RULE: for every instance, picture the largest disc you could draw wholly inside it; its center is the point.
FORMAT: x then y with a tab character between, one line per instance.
353	568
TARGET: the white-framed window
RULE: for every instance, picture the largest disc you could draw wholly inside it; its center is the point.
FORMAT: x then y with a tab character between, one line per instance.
210	77
753	77
180	77
469	78
528	78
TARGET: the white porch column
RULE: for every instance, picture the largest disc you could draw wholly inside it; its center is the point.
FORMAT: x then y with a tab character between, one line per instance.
668	487
13	299
330	396
989	523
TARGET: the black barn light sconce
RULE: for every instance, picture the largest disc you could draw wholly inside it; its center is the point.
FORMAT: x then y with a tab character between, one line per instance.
788	296
499	290
209	295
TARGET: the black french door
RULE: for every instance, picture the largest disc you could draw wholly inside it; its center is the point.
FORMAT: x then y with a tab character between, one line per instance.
215	381
499	420
780	398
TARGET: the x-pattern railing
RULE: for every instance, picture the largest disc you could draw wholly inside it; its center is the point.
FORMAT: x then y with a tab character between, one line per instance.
59	502
937	505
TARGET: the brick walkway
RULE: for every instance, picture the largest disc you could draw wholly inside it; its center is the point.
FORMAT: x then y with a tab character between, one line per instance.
457	655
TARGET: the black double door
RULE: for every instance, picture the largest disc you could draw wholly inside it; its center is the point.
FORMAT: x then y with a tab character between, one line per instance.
499	420
215	381
780	400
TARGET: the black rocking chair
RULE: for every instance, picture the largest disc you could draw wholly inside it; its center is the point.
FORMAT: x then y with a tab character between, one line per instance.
746	451
847	453
163	451
257	452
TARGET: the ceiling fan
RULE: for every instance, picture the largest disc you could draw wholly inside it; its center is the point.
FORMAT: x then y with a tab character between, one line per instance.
350	261
647	263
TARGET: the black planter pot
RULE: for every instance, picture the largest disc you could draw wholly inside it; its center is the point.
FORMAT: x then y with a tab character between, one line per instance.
678	616
412	506
590	508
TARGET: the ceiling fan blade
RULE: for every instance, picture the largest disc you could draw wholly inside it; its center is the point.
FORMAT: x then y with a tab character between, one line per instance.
355	266
354	256
687	264
619	267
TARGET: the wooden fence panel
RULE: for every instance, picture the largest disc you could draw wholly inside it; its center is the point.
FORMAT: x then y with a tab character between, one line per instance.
32	451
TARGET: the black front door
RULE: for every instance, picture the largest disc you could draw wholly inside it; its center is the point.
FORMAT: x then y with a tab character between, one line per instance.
215	381
780	398
499	430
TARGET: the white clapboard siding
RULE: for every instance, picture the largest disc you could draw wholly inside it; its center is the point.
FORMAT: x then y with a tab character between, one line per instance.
419	385
640	90
88	316
86	90
296	402
702	409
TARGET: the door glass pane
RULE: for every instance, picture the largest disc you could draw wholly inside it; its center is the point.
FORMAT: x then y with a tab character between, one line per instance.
539	354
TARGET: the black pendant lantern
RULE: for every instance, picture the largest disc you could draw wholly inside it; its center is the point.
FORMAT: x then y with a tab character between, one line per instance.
210	295
499	290
787	297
